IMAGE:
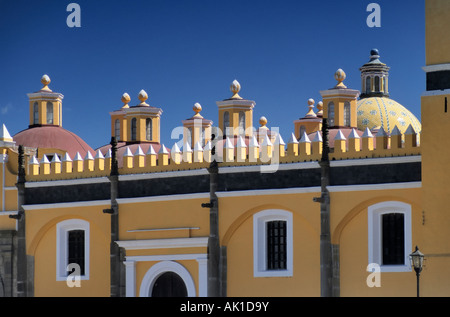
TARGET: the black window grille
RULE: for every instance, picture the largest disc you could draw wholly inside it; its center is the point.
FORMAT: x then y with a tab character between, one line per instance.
393	236
276	245
76	248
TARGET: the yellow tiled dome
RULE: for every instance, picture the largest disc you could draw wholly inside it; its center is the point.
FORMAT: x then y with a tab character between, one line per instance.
375	112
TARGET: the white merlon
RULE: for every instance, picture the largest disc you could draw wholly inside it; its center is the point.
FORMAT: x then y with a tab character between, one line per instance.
381	132
208	146
139	151
228	144
367	133
163	150
67	158
108	154
45	159
279	140
304	138
198	147
241	143
187	148
34	160
56	159
266	141
78	157
176	148
89	156
127	152
340	135
253	142
4	134
318	137
151	150
353	134
293	139
99	155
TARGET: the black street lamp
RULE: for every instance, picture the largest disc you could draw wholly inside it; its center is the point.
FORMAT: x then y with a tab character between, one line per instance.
416	259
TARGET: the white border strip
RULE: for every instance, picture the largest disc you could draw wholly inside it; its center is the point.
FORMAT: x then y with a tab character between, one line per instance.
162	198
202	171
436	68
167	257
436	93
163	243
377	161
68	182
368	187
164	229
68	205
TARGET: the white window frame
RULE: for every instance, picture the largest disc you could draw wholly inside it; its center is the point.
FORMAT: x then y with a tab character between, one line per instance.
375	213
260	243
62	247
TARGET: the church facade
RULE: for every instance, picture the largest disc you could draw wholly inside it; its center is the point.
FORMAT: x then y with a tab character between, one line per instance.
336	210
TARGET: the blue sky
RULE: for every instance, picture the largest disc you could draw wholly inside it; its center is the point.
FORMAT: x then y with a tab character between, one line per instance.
182	52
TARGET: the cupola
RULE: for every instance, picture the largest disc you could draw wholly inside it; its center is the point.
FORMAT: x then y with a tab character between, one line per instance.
374	77
236	114
136	124
196	129
45	106
310	123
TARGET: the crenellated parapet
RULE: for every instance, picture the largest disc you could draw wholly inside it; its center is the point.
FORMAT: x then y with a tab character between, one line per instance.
231	151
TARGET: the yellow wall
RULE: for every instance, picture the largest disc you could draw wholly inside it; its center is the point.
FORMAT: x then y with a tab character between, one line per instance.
437	35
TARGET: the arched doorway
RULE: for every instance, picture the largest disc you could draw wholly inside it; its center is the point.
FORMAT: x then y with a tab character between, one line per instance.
169	284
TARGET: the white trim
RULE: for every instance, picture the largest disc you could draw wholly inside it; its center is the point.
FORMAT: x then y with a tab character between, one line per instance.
257	168
436	68
167	257
368	187
62	229
436	93
68	205
377	161
3	162
7	213
259	242
162	267
375	234
202	171
162	198
264	192
163	229
163	243
130	278
68	182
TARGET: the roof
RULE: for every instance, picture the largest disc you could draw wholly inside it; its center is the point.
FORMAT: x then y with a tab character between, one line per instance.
52	137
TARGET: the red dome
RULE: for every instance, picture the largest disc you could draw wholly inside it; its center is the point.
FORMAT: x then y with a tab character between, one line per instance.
53	137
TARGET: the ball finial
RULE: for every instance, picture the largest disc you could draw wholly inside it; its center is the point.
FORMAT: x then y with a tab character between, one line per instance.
340	77
197	108
235	87
143	97
125	99
311	102
263	121
45	80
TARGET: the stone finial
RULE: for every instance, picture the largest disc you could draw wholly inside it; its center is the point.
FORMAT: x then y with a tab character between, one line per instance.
340	77
197	108
320	108
125	99
311	106
143	97
263	121
45	80
235	87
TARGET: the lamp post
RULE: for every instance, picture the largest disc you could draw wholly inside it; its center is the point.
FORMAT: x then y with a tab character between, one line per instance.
416	259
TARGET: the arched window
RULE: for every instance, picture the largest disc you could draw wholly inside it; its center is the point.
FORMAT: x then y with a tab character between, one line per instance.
189	136
203	137
368	88
241	123
347	114
133	129
302	130
331	114
377	84
117	129
226	122
148	129
35	113
49	113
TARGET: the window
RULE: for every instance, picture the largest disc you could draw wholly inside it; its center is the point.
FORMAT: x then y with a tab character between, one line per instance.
148	129
35	113
276	245
226	122
347	114
302	130
117	129
368	88
49	113
331	114
241	123
133	129
272	243
377	83
390	236
72	246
